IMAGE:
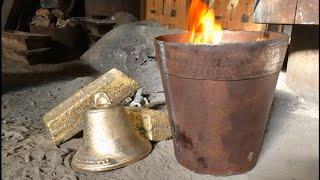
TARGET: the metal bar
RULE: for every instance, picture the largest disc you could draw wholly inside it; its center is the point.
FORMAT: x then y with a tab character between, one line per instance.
153	124
66	119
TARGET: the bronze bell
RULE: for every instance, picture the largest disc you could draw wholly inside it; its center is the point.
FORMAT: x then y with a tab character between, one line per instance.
109	142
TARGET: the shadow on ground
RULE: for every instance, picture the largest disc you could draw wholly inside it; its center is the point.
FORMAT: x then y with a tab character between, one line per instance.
26	75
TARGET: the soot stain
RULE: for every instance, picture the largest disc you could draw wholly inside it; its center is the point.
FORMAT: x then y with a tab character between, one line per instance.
203	162
185	141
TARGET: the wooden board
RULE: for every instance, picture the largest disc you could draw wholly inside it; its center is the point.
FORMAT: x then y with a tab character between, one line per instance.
163	15
229	18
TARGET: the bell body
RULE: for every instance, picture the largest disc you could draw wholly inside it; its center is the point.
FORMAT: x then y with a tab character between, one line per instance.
109	141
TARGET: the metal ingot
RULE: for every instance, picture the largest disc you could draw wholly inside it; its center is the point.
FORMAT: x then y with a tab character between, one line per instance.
109	140
66	120
153	124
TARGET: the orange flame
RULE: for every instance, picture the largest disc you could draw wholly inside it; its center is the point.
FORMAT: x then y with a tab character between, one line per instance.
202	24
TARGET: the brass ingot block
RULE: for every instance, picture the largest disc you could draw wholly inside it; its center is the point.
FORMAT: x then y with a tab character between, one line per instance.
66	119
153	124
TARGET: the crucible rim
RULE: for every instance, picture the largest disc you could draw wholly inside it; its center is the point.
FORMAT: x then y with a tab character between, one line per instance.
278	37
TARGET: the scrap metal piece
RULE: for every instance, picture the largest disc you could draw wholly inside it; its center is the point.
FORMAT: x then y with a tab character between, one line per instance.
66	119
58	13
41	21
153	124
61	23
138	99
44	13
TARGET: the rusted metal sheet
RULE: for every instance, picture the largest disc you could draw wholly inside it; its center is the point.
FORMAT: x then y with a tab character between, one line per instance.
307	12
153	124
219	98
275	11
287	12
66	119
24	41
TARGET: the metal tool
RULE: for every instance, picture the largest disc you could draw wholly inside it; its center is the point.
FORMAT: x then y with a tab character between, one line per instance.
153	11
211	4
245	17
163	3
109	141
174	11
138	99
231	12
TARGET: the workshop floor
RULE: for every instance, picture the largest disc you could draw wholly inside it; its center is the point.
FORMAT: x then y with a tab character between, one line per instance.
289	152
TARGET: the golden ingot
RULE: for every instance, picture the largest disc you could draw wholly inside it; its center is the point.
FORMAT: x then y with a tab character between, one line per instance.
66	119
153	124
109	140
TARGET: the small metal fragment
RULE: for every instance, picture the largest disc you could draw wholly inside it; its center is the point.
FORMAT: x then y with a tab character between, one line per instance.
66	119
58	13
61	23
138	99
41	21
44	13
153	124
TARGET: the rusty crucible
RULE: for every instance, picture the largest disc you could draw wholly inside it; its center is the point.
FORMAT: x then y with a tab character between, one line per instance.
219	97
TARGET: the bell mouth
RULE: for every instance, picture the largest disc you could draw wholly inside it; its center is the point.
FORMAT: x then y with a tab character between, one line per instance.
83	165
